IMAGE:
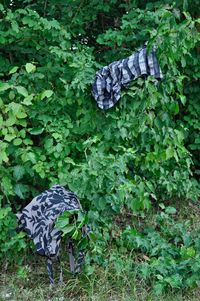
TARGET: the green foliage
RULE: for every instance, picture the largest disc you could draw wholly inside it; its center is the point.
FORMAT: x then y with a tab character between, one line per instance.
143	151
12	244
168	251
70	223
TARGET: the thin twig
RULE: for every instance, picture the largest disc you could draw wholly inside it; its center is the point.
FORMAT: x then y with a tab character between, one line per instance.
77	11
45	7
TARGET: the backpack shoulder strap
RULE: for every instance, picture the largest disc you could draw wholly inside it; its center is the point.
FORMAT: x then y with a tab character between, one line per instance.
75	267
50	270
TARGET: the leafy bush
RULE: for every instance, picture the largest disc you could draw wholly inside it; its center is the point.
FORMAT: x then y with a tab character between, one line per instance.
164	251
172	250
12	243
143	151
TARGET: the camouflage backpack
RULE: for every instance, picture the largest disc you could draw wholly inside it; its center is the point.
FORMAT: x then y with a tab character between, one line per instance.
38	219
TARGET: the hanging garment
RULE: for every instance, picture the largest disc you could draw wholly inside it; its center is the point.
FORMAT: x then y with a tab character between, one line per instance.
110	79
37	219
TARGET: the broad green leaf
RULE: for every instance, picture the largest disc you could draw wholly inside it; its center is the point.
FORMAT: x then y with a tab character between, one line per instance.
21	114
9	137
4	86
162	206
46	93
28	141
28	100
77	234
11	95
18	172
11	120
191	252
169	152
62	223
20	190
7	184
170	210
13	70
67	229
4	212
21	90
36	131
17	141
30	67
183	99
3	156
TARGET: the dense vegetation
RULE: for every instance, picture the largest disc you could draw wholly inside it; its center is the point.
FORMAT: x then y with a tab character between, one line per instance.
141	154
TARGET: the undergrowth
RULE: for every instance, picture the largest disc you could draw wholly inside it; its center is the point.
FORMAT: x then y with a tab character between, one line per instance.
155	262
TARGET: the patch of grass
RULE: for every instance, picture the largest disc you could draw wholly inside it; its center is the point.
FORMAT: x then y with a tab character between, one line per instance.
103	285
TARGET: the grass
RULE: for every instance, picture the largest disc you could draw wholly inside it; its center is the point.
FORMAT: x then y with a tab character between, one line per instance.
32	285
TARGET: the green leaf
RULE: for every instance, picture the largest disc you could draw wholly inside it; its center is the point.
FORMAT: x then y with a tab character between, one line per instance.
30	67
18	172
7	184
36	131
11	95
9	137
77	234
31	157
28	100
11	120
46	93
3	156
62	223
4	212
21	114
183	99
4	86
28	141
170	210
174	107
68	229
93	237
162	206
21	190
17	141
191	252
83	243
21	90
169	152
14	70
89	270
